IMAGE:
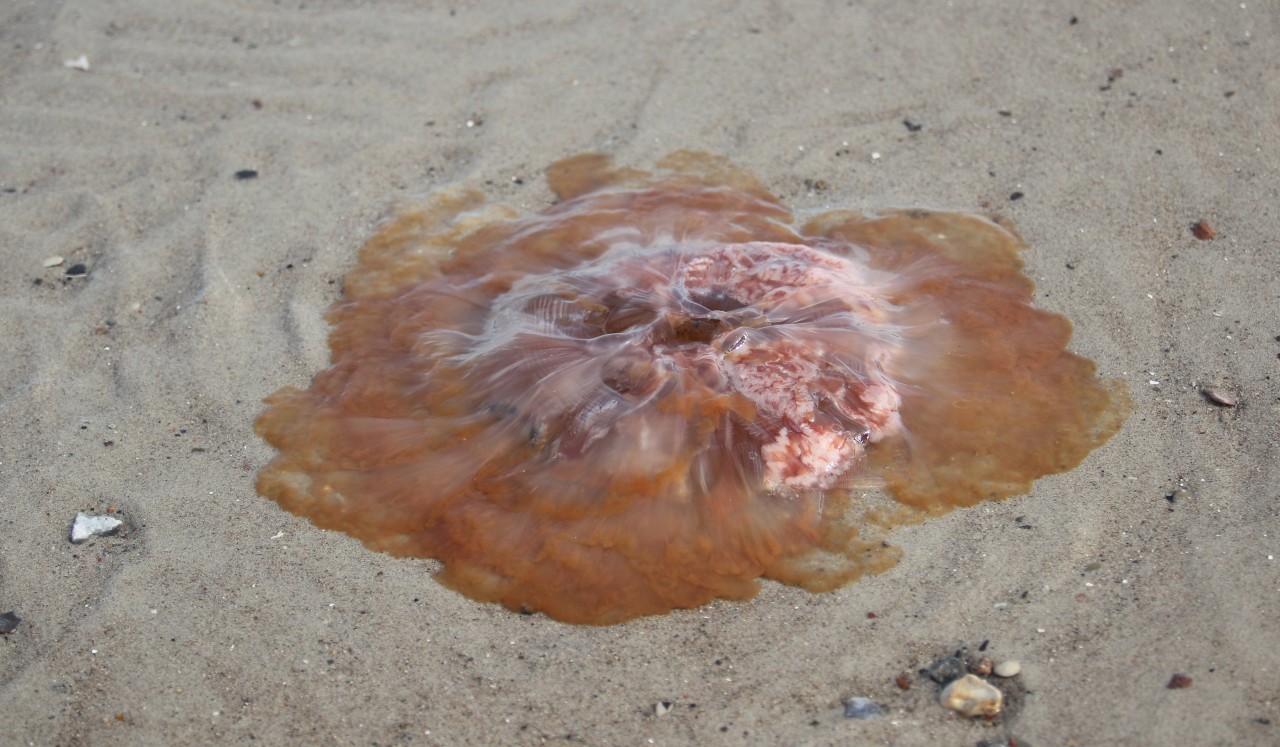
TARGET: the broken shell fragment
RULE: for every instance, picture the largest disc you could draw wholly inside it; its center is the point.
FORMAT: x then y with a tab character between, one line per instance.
87	526
972	696
1201	230
861	708
1218	397
9	622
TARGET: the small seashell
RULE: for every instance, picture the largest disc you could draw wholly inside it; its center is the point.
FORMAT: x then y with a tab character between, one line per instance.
1179	681
1009	668
972	696
9	622
1217	397
87	526
1201	230
861	708
53	261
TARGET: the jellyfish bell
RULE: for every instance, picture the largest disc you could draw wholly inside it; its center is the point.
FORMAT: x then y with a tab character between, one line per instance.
657	392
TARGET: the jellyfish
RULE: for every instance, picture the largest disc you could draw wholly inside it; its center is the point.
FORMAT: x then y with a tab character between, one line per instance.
659	391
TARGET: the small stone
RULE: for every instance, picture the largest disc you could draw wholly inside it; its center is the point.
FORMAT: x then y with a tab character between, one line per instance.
9	621
80	63
78	270
662	707
981	667
53	261
87	526
861	708
903	682
1009	668
945	670
1179	681
972	696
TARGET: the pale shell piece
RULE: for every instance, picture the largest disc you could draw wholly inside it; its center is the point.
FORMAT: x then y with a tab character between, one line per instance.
86	526
1218	397
972	696
861	708
1009	668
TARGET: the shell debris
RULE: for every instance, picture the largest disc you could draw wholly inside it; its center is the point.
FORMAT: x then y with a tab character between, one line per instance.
861	708
972	696
1218	396
87	525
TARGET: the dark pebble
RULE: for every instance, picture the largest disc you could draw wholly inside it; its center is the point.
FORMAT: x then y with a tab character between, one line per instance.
246	174
946	669
912	126
1016	196
77	270
1179	681
9	621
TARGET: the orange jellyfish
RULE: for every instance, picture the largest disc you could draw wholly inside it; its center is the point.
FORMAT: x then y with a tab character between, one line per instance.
657	391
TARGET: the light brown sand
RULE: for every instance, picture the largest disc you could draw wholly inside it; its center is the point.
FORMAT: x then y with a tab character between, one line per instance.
218	618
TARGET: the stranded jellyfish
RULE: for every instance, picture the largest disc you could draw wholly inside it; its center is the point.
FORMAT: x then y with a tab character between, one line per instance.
657	391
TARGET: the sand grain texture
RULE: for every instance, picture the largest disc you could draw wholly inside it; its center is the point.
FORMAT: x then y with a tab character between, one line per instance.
215	617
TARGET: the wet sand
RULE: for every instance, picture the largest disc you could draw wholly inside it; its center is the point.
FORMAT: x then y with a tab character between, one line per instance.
210	177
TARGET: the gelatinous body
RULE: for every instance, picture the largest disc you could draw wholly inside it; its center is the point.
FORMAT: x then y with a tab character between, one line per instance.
657	391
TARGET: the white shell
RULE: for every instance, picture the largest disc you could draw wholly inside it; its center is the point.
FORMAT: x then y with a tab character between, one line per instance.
86	526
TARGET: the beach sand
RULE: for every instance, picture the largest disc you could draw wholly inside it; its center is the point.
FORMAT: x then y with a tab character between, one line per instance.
130	384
